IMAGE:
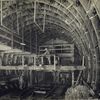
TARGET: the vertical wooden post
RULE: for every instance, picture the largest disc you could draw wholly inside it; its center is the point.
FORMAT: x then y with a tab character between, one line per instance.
34	10
2	55
84	65
29	59
96	72
83	62
44	19
30	41
6	60
54	62
72	78
34	61
42	60
1	12
22	60
36	43
88	78
0	59
30	77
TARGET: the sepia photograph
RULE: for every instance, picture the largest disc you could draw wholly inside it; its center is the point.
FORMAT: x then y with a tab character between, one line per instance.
49	49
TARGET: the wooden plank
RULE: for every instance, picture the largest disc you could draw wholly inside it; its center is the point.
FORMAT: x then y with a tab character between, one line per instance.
4	47
43	68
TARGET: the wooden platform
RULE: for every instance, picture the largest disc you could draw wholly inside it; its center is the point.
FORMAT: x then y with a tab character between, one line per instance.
44	68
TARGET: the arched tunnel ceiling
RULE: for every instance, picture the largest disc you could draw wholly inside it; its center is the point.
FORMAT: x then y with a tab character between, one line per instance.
72	20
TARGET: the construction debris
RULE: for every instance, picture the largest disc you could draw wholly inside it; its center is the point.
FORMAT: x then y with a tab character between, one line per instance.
77	93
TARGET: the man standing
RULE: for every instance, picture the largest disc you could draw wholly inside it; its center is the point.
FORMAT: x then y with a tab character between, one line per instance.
47	54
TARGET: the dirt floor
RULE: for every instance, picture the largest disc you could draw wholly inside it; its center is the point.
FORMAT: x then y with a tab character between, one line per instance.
7	97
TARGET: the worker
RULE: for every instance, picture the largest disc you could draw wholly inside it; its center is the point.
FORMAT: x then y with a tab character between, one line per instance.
47	54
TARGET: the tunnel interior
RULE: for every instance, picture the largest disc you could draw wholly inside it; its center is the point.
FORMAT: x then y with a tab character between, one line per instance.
68	29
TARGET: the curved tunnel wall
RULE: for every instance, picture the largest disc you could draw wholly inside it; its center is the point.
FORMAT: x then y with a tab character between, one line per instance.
82	20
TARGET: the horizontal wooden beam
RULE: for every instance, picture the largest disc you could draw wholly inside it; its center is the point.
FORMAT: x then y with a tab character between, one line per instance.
48	68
